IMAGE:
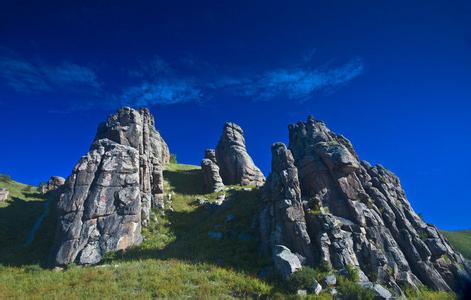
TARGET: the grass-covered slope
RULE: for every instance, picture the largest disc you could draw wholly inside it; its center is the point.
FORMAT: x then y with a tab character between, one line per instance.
177	258
193	250
461	240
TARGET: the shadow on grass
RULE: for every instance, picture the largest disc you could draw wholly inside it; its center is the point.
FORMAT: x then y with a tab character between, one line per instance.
16	221
236	248
185	181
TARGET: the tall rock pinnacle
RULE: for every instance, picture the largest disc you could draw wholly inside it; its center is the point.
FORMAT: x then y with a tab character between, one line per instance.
352	213
108	196
235	164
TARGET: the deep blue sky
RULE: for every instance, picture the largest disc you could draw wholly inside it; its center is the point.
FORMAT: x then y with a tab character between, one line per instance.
392	76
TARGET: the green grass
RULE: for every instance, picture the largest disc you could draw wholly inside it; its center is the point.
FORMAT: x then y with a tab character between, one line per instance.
17	216
461	240
177	259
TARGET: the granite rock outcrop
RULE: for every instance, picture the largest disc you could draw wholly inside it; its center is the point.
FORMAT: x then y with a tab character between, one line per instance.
332	209
107	198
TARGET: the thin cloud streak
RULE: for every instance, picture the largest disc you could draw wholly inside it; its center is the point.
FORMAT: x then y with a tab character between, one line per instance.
29	77
158	82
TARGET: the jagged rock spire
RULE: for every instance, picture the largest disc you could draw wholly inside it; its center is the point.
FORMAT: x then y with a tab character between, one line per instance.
108	197
235	164
212	181
356	214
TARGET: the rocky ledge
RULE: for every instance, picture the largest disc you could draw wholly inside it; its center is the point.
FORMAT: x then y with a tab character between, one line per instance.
325	207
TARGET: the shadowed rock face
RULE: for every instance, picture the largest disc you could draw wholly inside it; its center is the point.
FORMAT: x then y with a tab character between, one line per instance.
108	197
235	164
354	214
212	181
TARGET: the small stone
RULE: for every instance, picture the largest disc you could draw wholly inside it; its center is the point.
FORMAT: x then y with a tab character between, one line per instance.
330	280
216	235
201	201
301	292
316	287
4	194
230	218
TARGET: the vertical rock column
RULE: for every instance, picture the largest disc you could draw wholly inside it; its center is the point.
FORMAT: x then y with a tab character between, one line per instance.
108	197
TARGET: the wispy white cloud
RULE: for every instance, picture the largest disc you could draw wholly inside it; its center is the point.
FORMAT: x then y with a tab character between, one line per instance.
158	82
163	92
26	76
298	83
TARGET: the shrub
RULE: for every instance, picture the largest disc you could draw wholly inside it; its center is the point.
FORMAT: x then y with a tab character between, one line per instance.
302	279
352	273
173	158
351	290
5	178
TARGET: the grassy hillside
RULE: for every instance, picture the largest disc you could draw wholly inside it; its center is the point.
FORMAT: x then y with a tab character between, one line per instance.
178	258
194	250
461	240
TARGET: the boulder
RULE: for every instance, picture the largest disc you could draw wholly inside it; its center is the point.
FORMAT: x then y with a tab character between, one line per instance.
107	198
235	164
4	194
54	183
316	288
381	293
330	280
352	214
285	261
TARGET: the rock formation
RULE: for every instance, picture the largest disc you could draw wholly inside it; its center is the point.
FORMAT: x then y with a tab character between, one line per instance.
108	197
212	181
54	183
235	164
4	194
332	209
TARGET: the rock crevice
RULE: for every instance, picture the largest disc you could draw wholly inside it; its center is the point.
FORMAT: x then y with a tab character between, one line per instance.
354	214
107	198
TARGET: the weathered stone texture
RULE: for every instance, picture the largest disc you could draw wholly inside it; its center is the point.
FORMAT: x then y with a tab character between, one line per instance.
355	214
54	183
235	164
108	197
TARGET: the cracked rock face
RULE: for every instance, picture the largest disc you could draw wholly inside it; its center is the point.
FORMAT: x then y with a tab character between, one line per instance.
329	207
212	181
108	196
235	164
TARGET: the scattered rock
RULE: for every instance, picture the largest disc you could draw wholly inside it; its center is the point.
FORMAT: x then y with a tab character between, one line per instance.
216	235
108	197
201	201
286	262
301	292
353	214
245	237
235	164
220	199
316	288
381	293
330	280
54	183
4	194
230	218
